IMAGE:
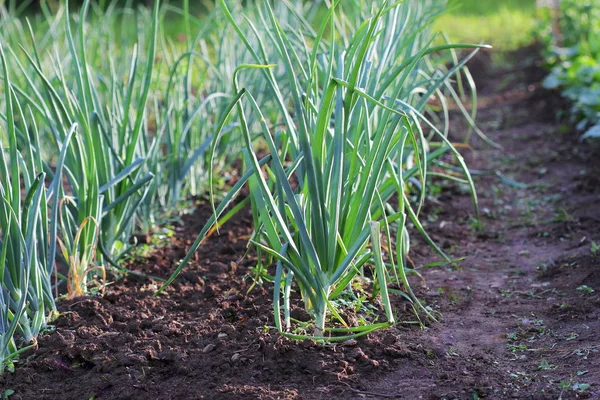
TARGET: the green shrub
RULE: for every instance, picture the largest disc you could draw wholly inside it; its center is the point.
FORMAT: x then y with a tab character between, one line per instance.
573	55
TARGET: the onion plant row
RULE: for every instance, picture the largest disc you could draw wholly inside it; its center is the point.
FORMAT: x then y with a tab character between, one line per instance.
350	136
92	112
107	124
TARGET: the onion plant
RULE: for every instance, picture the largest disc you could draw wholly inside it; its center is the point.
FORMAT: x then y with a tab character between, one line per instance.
28	227
351	132
72	164
194	93
103	167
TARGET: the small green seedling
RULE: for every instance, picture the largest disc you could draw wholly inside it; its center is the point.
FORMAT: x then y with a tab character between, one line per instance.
595	249
545	366
565	385
572	336
586	289
580	387
7	393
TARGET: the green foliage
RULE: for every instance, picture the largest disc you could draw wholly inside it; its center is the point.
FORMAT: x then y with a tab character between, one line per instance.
545	365
28	229
349	122
595	249
107	122
585	289
7	393
75	157
573	55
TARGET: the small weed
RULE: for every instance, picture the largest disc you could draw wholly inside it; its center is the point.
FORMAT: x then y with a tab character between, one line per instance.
7	393
595	249
453	298
569	265
585	289
580	387
475	224
572	336
545	366
563	216
513	348
258	274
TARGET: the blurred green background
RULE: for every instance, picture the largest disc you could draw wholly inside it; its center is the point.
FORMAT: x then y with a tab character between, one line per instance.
504	24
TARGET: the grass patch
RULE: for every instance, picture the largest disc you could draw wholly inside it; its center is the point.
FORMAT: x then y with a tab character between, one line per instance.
506	24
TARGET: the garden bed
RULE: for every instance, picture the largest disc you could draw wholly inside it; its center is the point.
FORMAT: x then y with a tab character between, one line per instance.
520	317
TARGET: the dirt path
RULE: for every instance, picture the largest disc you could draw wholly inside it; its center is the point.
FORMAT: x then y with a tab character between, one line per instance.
520	317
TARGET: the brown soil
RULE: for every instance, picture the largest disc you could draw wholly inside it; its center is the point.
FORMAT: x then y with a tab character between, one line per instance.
517	321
